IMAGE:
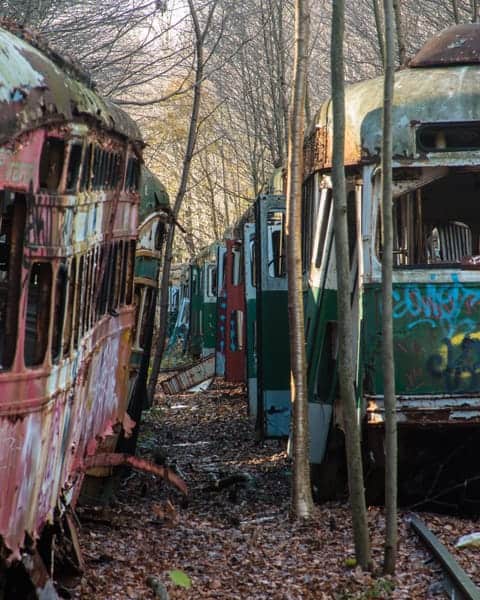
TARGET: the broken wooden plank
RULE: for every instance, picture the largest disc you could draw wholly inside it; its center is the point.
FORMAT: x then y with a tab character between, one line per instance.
189	376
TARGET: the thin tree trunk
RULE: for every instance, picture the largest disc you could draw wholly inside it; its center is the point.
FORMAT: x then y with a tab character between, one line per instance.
474	11
387	323
455	11
225	195
191	140
302	503
346	373
308	108
379	27
402	52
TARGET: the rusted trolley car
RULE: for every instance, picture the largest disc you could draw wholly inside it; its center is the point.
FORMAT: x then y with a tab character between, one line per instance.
69	176
436	280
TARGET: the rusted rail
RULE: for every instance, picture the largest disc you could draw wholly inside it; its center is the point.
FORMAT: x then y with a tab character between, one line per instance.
459	585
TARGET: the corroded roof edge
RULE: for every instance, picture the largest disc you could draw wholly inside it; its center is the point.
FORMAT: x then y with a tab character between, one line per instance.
35	91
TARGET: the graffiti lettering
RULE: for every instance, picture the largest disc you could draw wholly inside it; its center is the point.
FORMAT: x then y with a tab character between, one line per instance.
444	306
460	368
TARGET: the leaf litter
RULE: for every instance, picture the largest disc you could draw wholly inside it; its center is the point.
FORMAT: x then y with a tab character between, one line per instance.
233	538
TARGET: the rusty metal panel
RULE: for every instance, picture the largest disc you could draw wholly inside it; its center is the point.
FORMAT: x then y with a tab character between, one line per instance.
458	45
190	376
427	410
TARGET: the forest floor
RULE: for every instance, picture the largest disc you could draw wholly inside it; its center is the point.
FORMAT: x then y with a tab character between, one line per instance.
238	542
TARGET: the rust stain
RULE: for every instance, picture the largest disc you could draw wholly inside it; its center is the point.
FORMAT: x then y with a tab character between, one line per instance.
458	45
116	459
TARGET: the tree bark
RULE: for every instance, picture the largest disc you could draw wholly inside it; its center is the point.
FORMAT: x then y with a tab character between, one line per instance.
455	11
474	11
402	52
379	27
191	140
302	503
346	371
387	323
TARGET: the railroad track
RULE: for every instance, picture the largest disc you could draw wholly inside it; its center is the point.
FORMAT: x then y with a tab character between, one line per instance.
457	583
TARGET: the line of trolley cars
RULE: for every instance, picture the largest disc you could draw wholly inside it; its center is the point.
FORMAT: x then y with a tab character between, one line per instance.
436	280
76	291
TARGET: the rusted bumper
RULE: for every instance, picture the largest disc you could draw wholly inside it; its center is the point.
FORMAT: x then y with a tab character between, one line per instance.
427	410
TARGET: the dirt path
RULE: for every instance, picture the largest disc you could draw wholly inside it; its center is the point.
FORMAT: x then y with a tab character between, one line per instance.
236	542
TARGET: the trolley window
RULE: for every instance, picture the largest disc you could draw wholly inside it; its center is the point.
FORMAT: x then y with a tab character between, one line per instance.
437	224
276	243
67	335
323	227
86	169
448	137
59	310
38	313
51	163
12	228
236	265
130	271
73	170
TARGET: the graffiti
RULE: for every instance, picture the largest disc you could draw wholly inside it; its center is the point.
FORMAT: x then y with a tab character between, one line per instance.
449	307
458	365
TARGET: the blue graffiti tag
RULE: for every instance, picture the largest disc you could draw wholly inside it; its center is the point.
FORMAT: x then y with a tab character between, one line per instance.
436	305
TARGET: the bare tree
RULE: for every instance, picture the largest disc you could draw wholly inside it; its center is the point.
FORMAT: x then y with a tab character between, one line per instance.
387	324
345	339
402	51
302	503
200	34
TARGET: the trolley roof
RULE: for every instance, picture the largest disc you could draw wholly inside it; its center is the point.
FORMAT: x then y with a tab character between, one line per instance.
34	91
153	194
445	90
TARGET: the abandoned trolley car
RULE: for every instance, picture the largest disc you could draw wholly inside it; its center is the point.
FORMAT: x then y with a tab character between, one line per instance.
69	175
436	279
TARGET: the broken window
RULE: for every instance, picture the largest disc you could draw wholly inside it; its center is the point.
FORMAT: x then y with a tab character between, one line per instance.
59	311
78	302
116	175
103	170
323	225
51	163
253	262
130	271
86	178
73	170
96	168
118	275
86	293
38	313
276	243
67	335
438	223
448	137
123	272
237	264
309	214
149	297
212	280
103	270
12	229
351	225
236	330
159	235
133	174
